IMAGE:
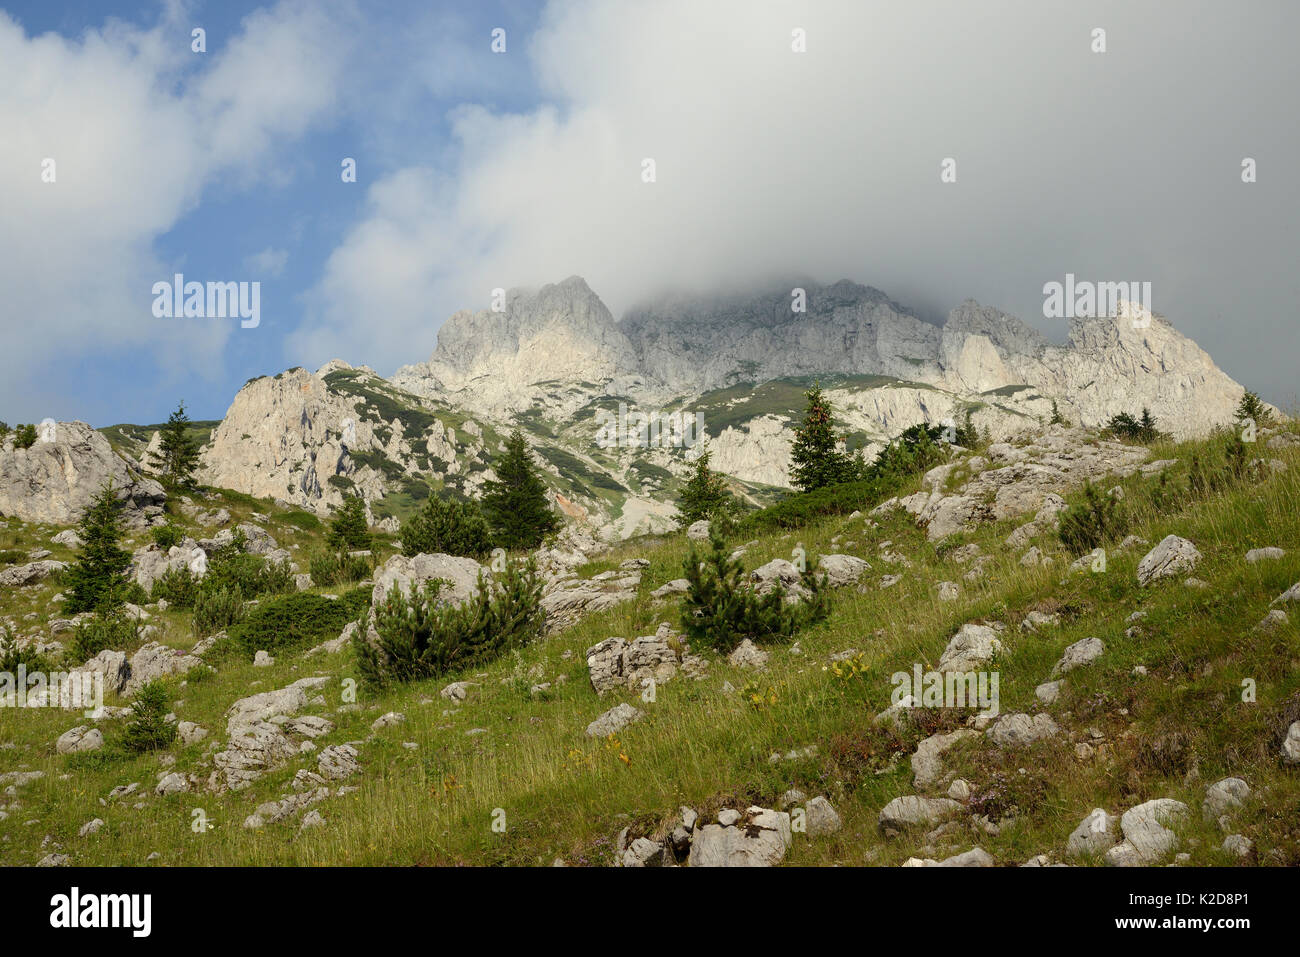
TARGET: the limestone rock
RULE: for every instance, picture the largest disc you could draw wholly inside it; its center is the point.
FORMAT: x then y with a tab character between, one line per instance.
1173	556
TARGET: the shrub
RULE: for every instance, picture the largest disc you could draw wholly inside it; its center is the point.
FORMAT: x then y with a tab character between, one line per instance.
1098	519
148	728
338	568
1125	426
106	630
448	526
12	657
11	557
178	586
289	622
229	566
24	436
167	535
720	611
420	638
217	608
801	508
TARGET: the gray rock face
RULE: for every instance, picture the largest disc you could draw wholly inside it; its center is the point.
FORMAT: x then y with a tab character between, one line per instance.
112	665
55	482
1291	745
1020	730
338	762
1173	556
155	660
760	838
616	663
699	531
748	655
1224	797
460	576
81	738
1077	655
973	647
568	600
1147	836
911	810
927	763
842	570
16	576
1096	834
614	720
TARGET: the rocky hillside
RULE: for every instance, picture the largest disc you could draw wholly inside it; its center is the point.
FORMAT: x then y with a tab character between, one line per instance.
554	362
1146	711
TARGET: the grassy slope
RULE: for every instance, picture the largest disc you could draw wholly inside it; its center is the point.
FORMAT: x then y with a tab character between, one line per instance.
567	796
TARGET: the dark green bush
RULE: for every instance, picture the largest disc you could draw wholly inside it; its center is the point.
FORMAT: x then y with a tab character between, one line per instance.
448	526
105	630
216	608
289	622
801	508
720	610
12	657
339	568
167	535
178	586
148	728
421	638
24	436
1099	518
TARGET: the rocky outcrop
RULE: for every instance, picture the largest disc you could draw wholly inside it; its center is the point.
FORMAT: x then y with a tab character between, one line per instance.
56	481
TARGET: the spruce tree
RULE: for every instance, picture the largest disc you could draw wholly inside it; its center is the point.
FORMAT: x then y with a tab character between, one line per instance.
348	529
97	579
1252	407
515	504
704	495
818	459
178	455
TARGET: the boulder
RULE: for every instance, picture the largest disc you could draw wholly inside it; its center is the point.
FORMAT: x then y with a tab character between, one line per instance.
1173	556
614	720
56	482
760	839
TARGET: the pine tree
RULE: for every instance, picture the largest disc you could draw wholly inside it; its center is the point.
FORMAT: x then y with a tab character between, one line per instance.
97	579
178	455
515	504
1252	407
817	456
348	528
704	495
149	727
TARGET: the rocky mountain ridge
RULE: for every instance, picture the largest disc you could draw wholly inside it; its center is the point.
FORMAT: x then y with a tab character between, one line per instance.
554	361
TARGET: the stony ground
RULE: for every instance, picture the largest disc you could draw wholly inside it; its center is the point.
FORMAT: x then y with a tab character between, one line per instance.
1146	713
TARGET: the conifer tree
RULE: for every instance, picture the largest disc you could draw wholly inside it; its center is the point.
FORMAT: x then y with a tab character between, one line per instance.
178	454
704	495
515	504
1252	407
97	579
818	459
348	528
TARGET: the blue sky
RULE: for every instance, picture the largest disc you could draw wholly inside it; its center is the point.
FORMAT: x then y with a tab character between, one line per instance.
479	170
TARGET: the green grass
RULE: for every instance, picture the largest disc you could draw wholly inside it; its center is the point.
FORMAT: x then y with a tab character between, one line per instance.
567	796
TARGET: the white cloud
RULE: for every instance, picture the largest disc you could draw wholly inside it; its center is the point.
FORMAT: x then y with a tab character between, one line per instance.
773	163
136	135
268	262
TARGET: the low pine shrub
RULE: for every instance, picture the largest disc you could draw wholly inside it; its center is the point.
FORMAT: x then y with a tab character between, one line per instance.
419	637
1099	518
720	610
289	622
